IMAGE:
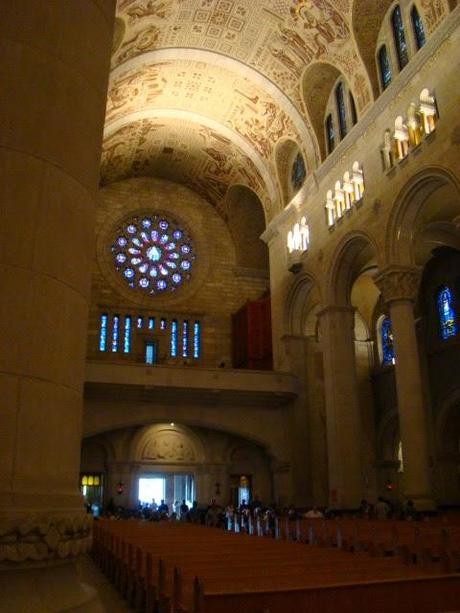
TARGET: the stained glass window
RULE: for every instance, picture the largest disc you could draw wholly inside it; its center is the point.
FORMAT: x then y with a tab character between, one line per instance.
127	335
399	37
446	313
386	340
298	173
150	353
417	27
384	67
162	323
151	323
103	333
185	339
173	347
115	332
341	112
153	254
354	114
330	134
196	340
139	322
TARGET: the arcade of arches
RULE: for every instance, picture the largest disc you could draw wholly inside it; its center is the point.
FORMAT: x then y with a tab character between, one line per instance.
230	255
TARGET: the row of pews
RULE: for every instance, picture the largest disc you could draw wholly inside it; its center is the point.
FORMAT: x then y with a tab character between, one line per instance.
313	565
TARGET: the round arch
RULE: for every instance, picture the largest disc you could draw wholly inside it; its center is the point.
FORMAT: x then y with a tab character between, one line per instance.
432	196
284	154
302	302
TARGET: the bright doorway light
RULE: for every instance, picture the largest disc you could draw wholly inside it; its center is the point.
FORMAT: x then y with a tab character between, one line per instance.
151	487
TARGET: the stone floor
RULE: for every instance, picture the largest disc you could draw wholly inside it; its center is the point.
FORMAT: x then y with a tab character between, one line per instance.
109	596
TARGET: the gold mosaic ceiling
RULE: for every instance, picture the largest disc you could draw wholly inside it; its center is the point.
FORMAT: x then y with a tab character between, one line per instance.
201	91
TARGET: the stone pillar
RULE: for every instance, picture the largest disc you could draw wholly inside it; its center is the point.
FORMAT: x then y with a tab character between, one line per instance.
337	325
399	286
54	68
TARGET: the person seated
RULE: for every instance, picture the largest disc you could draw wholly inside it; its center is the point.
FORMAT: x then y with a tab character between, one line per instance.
381	509
163	509
314	513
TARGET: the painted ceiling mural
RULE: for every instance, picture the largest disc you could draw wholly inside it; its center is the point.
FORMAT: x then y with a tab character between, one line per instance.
219	82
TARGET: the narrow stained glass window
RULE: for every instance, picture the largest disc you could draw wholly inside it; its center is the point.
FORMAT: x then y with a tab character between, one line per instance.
185	339
417	27
127	335
173	347
162	324
196	340
139	322
399	37
341	112
386	339
330	134
446	313
298	172
151	323
115	332
384	67
103	333
150	353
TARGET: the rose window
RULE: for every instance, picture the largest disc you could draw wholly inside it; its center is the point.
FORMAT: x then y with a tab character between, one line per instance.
153	254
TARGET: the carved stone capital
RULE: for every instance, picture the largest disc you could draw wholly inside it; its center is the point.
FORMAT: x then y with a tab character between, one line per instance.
398	283
36	538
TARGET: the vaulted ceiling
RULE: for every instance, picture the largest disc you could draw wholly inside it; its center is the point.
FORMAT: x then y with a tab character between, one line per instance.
202	91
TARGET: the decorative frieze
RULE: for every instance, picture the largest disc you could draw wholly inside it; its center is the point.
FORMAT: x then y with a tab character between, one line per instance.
346	194
420	122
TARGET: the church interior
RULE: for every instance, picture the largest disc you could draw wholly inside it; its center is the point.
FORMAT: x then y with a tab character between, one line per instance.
236	274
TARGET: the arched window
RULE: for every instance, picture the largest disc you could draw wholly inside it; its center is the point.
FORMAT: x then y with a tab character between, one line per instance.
399	37
330	135
417	27
400	458
298	172
341	110
353	113
446	313
386	341
384	67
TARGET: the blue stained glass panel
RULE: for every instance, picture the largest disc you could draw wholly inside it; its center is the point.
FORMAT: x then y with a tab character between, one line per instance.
446	313
298	173
196	340
386	338
151	323
384	67
103	333
173	348
185	339
330	135
399	37
127	335
115	332
341	110
417	26
150	353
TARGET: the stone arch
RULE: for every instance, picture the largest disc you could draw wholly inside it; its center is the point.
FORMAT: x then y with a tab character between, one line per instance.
96	452
166	443
355	254
367	18
285	152
302	301
246	221
317	82
432	196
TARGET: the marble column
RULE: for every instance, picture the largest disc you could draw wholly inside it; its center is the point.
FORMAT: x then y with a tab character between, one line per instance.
399	287
337	325
54	69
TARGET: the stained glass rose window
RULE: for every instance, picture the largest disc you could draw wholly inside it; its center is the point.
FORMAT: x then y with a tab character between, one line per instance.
153	254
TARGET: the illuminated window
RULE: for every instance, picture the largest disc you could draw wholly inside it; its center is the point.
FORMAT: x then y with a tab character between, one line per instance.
103	333
330	134
152	254
162	324
139	322
150	353
446	313
298	173
386	341
173	344
417	28
115	332
127	335
196	340
185	339
399	37
400	458
151	323
384	67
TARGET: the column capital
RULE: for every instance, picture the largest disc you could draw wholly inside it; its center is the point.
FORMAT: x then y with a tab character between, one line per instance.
398	283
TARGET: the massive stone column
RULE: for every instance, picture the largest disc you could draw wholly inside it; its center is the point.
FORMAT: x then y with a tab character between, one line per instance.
54	68
399	287
342	407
